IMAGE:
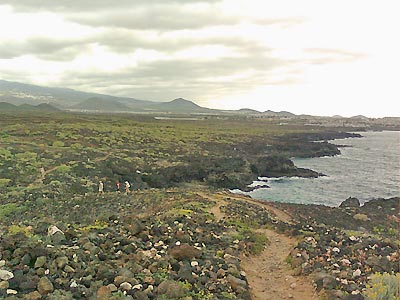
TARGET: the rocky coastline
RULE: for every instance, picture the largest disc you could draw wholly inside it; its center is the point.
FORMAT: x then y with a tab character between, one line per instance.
305	145
179	234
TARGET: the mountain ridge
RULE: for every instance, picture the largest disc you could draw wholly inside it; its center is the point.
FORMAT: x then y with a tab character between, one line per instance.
18	93
5	106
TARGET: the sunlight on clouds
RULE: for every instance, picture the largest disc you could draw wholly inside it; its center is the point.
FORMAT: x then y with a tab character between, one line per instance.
320	57
26	66
205	52
24	25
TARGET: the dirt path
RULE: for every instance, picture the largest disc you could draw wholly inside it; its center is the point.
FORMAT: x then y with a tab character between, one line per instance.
216	209
268	275
280	214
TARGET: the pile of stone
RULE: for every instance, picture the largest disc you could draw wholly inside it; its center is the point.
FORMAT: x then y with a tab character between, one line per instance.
167	256
341	262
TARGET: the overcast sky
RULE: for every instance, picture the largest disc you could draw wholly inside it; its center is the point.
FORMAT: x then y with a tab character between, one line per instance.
304	56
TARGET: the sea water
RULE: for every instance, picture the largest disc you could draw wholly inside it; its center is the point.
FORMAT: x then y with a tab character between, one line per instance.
368	168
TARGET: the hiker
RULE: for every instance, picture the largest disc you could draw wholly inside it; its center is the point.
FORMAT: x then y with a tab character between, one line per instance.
42	172
101	187
118	187
127	187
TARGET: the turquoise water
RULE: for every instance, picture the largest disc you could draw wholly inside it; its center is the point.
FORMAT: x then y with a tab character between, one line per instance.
369	169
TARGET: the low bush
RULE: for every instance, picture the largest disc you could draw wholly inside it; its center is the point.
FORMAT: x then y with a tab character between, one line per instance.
383	287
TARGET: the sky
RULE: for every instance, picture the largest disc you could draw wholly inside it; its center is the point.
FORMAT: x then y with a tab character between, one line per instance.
317	57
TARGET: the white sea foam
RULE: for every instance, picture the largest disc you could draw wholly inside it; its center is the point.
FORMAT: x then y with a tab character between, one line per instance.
369	169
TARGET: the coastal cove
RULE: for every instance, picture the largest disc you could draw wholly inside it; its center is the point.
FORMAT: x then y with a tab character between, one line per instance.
367	168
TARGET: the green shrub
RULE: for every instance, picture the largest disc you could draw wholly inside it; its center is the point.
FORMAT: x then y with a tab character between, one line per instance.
257	242
10	209
98	225
15	229
4	182
62	169
383	287
58	144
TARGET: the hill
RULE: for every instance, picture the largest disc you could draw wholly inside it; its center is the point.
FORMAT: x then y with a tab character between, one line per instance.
271	113
248	111
5	106
182	106
20	93
101	104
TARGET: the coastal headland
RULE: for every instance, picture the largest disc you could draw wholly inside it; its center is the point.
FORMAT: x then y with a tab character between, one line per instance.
179	233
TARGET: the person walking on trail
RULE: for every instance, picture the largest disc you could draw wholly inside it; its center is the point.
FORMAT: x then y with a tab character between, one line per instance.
101	187
42	172
127	187
118	187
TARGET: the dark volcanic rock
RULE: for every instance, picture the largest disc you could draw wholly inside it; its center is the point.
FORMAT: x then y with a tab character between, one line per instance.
45	286
350	202
170	289
277	166
184	251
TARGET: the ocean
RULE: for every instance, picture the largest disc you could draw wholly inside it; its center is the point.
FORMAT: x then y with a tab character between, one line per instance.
369	168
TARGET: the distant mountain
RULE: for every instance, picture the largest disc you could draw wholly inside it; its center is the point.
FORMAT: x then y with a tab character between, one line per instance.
44	107
359	117
101	104
271	113
20	93
5	106
248	111
68	99
183	106
47	107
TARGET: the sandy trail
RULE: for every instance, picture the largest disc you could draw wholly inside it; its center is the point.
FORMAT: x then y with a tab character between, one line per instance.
268	275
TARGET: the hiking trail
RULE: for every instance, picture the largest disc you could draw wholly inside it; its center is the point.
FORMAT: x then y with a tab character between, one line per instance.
268	275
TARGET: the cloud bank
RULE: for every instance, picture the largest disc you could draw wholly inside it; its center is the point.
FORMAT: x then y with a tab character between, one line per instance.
218	52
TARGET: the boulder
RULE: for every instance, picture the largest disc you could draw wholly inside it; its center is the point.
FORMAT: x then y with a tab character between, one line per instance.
125	286
140	295
45	286
350	202
324	280
378	264
33	296
40	262
237	284
103	293
184	251
6	275
170	289
361	217
4	285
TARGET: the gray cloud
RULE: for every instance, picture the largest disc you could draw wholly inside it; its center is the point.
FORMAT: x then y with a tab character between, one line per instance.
44	48
89	5
132	25
160	15
125	41
119	41
286	22
328	55
165	80
155	17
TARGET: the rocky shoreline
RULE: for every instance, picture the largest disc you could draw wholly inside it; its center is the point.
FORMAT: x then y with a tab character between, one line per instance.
179	234
305	145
